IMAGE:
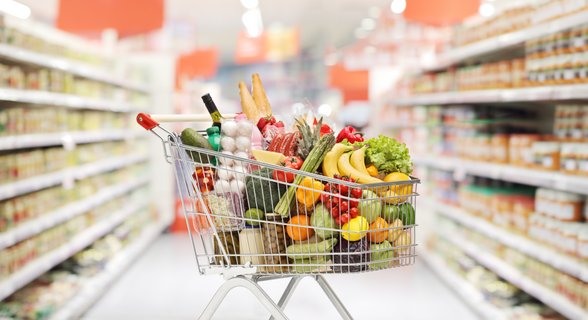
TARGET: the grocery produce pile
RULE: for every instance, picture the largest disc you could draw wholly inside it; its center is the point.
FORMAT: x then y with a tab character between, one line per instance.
312	201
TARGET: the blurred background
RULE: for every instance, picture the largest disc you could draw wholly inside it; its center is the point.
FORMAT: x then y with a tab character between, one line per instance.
488	95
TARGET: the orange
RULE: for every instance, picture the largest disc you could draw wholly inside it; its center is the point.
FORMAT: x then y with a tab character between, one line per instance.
299	233
402	190
378	236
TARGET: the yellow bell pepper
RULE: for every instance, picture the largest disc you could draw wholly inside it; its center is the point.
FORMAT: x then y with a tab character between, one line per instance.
308	197
372	170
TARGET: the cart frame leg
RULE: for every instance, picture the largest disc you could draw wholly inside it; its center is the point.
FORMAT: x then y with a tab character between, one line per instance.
333	297
241	281
288	293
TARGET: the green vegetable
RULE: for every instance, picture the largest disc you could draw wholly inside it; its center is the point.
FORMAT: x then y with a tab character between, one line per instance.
194	139
263	194
321	218
316	264
404	212
311	164
253	214
381	255
387	154
294	251
370	209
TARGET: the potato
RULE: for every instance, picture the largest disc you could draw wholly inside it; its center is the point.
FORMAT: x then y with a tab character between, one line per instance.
394	233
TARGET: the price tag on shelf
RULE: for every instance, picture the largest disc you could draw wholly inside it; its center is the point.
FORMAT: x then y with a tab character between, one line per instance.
67	141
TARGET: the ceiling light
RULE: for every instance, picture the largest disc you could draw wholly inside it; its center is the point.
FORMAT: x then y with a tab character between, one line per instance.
250	4
368	24
375	12
398	6
360	33
486	10
14	8
253	23
325	109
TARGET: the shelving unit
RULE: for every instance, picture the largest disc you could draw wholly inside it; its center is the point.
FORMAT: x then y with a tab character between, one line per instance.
64	64
550	298
505	41
65	100
42	264
62	214
465	290
57	138
543	93
537	178
9	190
562	262
95	287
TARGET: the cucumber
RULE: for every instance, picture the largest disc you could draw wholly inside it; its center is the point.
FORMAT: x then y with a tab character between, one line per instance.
192	138
316	264
312	249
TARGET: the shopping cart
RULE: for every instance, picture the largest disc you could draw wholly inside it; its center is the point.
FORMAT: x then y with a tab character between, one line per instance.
238	235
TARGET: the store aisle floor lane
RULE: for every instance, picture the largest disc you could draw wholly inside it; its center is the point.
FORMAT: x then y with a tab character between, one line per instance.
164	284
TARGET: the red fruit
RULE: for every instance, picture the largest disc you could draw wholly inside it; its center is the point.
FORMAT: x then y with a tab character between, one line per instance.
353	213
293	162
325	197
338	221
336	200
343	189
353	203
279	124
356	193
329	204
344	218
327	187
344	206
335	212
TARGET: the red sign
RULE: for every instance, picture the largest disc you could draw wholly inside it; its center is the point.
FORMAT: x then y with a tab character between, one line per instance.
440	12
354	84
128	17
201	63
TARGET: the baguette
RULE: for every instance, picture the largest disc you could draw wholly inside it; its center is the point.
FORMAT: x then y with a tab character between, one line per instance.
247	103
263	105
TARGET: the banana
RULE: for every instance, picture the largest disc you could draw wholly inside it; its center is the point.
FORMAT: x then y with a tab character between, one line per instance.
357	160
347	170
330	162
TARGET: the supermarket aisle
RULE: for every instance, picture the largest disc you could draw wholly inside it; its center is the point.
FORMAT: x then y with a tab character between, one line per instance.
163	284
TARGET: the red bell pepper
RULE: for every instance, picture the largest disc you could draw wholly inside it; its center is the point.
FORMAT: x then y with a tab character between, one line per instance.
350	134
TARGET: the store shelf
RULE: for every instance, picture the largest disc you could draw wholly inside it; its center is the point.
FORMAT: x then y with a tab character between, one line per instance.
68	175
531	248
68	65
42	264
543	93
58	138
465	290
550	298
62	214
94	288
505	41
538	178
65	100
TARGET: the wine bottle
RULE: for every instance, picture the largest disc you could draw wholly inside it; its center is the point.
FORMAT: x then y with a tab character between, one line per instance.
211	107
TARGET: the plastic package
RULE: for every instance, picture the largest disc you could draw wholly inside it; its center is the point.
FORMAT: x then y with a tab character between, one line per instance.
236	140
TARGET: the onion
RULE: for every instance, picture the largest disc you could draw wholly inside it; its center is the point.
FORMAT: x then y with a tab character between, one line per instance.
245	128
222	186
230	128
243	143
225	173
226	161
237	186
228	144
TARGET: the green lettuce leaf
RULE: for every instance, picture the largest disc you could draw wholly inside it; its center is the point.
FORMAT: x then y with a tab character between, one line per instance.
387	154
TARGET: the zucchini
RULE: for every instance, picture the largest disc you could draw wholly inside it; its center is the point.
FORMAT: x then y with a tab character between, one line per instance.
303	269
311	164
313	250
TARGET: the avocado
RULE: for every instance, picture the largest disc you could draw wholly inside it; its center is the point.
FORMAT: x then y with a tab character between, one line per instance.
194	139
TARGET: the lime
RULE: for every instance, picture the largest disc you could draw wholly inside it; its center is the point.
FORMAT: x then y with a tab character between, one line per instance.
253	214
404	212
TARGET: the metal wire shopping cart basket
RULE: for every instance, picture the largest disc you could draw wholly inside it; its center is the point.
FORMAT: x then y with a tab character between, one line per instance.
239	236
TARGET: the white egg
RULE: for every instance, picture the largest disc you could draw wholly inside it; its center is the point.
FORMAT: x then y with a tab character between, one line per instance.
228	144
243	143
222	186
240	172
230	128
226	161
237	186
225	173
241	154
245	128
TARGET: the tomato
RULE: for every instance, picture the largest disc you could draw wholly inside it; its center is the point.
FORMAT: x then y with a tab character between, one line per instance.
325	197
283	176
344	218
338	221
353	213
343	189
329	204
344	206
356	193
293	162
336	200
335	212
353	203
327	188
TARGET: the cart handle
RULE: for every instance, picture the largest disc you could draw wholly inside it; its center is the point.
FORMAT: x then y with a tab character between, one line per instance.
149	122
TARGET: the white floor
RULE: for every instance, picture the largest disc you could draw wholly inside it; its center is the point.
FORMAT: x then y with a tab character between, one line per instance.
164	284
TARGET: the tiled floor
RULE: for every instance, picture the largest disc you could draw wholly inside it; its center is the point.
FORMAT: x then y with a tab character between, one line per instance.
164	284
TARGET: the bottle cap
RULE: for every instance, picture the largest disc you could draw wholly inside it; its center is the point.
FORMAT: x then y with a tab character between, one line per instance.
212	130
